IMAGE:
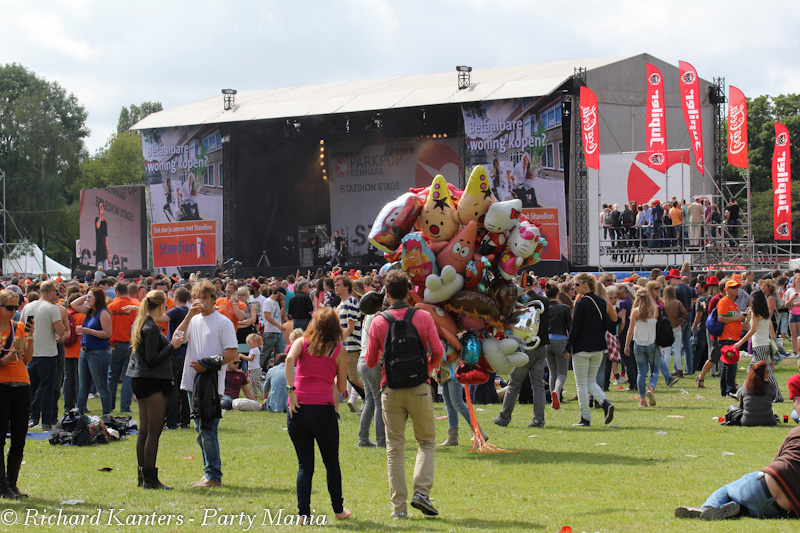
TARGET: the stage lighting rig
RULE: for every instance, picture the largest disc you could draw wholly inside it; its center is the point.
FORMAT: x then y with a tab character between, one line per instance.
228	99
463	76
375	122
291	128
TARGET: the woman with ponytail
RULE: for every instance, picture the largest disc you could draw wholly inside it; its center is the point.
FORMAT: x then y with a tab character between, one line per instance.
151	370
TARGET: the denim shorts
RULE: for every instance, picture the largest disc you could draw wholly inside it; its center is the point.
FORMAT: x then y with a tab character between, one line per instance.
793	318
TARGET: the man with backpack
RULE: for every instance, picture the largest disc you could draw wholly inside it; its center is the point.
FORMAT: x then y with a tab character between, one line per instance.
404	336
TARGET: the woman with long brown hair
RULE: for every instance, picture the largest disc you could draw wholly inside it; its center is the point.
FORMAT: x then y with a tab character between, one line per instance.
314	363
95	353
151	369
756	396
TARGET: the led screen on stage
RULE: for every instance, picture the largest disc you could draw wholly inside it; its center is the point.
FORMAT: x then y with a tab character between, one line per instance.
111	232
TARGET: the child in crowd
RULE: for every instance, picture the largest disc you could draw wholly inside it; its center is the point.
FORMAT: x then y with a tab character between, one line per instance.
255	342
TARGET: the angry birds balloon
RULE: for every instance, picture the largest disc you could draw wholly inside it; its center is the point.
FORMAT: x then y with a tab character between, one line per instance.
437	219
418	260
476	276
476	199
394	221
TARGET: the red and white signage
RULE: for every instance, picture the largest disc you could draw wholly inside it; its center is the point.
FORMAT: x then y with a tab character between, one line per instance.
782	184
656	118
590	128
190	243
690	101
737	128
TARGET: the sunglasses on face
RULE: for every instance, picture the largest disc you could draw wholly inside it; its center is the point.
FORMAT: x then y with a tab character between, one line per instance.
11	307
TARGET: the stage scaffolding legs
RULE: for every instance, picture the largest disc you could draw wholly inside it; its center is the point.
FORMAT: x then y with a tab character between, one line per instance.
578	201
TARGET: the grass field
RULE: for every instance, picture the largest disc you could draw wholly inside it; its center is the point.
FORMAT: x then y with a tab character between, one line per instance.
628	476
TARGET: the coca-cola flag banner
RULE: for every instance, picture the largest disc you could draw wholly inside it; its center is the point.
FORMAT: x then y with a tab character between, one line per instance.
690	101
590	128
656	120
781	183
737	128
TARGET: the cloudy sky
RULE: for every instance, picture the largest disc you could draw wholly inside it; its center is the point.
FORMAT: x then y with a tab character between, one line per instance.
112	54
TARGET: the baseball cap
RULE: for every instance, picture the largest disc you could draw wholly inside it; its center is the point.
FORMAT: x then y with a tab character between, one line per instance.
728	354
731	283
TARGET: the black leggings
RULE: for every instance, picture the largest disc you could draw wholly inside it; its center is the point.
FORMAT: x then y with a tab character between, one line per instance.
151	421
15	410
310	423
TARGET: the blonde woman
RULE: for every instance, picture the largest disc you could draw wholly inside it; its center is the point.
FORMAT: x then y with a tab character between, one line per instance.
151	369
642	331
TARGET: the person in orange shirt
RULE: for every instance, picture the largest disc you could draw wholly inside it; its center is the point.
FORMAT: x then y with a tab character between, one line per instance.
728	313
71	355
229	306
676	215
162	284
123	314
16	349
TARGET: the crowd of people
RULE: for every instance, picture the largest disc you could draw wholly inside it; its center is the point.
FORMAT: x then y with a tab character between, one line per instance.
634	230
188	348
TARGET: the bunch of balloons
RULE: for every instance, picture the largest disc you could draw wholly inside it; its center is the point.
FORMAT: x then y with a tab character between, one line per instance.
462	250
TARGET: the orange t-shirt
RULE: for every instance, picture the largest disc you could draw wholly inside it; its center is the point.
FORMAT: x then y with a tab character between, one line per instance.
732	330
165	325
225	309
73	351
677	216
121	321
16	371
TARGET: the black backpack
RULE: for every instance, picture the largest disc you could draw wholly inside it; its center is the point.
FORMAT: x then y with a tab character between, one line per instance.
72	430
405	360
664	335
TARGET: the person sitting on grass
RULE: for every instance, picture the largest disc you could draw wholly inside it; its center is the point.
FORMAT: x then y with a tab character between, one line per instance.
275	397
772	492
235	381
756	396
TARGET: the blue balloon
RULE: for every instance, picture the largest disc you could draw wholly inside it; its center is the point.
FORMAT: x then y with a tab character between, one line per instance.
471	348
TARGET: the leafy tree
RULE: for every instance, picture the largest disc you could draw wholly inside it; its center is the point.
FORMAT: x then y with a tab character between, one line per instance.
762	113
133	114
119	162
42	128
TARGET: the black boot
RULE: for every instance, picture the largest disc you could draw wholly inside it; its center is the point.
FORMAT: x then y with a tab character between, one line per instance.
5	490
139	477
608	409
150	479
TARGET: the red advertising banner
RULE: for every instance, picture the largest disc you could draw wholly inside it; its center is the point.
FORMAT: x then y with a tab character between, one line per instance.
782	184
656	120
737	128
190	243
690	101
590	128
547	218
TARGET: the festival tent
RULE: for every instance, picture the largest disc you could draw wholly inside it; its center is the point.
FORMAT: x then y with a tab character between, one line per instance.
30	261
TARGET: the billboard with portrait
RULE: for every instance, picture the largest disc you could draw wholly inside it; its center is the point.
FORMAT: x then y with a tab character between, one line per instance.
112	231
519	142
184	177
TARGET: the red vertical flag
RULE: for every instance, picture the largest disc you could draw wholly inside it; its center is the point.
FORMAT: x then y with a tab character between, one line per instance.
737	128
590	128
656	120
690	101
782	184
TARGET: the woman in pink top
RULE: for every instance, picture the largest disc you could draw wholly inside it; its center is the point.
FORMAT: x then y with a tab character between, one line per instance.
792	299
313	363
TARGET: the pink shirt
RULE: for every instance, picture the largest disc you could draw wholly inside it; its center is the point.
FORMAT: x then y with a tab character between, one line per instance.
427	333
314	375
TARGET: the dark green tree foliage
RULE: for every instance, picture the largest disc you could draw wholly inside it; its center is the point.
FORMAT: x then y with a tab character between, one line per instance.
762	114
119	162
133	114
42	128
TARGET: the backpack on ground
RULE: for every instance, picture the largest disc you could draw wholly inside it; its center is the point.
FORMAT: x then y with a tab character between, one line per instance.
664	335
73	335
405	360
72	430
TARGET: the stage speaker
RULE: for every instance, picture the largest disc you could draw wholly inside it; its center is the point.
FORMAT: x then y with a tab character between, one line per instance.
306	257
715	95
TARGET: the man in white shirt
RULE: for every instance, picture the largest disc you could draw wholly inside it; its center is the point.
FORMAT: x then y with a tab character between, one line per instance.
43	367
273	327
211	344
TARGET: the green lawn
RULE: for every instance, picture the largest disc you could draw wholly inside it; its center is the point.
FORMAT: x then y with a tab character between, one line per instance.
628	476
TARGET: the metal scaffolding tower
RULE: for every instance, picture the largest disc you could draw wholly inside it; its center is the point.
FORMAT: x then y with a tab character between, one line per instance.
579	201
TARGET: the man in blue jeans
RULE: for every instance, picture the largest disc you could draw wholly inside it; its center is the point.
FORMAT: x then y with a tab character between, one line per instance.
273	326
42	369
685	295
123	314
211	344
772	492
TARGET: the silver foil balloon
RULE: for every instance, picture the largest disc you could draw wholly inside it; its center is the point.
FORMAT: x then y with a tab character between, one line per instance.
523	325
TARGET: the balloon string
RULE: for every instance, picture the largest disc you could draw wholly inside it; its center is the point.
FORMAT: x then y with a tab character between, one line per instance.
479	444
